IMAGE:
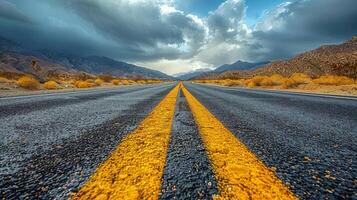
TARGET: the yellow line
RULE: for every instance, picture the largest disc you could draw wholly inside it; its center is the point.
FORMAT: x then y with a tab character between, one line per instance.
135	168
240	174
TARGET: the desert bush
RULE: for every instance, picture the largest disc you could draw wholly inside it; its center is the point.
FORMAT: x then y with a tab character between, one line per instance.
249	83
141	81
300	78
125	82
333	80
90	81
29	83
98	82
4	80
106	78
115	81
277	79
229	82
289	83
259	81
50	85
82	84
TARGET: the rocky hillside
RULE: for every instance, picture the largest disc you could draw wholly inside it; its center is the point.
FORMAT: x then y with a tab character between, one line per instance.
338	59
14	64
239	65
104	65
16	61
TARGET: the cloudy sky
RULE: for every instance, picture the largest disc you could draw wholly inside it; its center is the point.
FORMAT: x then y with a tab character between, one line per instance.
179	35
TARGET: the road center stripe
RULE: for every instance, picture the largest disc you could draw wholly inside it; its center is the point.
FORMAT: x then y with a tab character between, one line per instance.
240	174
135	168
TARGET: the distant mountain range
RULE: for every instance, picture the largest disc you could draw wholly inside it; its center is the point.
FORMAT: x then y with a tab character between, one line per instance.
338	60
239	65
43	64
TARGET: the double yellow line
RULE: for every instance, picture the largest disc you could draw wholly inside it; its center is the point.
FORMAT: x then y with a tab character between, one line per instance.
134	170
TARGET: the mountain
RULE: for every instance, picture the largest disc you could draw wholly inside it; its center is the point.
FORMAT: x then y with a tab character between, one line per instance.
44	64
104	65
8	45
240	65
191	74
14	64
340	59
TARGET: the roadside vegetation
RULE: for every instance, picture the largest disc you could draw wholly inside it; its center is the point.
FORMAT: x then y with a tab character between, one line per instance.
296	81
29	82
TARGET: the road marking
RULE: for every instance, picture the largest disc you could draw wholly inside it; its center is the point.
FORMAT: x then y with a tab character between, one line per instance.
134	170
240	174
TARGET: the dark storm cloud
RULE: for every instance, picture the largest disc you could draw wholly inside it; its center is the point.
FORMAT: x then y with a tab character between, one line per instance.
9	11
304	25
150	30
120	29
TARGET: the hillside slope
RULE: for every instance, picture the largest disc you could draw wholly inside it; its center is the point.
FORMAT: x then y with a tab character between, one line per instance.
16	61
104	65
338	60
239	65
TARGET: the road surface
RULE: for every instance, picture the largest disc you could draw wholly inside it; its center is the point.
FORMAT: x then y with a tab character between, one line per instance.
50	144
110	142
310	140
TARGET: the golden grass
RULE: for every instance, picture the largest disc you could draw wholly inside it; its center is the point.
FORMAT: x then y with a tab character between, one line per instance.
333	80
82	84
300	78
115	81
4	80
278	81
98	82
51	85
125	82
29	83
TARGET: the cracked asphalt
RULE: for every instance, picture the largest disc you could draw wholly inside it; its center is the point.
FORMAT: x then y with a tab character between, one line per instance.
310	141
188	173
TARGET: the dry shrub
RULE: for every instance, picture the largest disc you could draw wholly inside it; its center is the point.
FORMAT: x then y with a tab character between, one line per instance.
277	79
98	82
141	81
289	83
91	81
106	78
50	85
125	82
250	83
82	84
115	81
333	80
29	83
229	82
259	81
300	78
4	80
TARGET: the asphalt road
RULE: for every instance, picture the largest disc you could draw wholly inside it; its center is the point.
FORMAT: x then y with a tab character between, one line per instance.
309	140
51	144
